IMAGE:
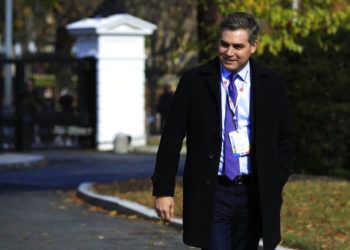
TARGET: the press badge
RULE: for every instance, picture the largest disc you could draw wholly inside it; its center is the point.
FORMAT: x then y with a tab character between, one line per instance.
239	142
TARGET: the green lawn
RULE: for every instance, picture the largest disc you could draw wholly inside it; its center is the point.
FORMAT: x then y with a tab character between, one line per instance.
315	214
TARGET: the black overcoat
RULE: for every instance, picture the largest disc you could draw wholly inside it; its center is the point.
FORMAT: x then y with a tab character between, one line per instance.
196	114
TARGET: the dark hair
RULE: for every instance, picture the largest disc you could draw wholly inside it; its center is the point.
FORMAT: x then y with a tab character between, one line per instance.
241	20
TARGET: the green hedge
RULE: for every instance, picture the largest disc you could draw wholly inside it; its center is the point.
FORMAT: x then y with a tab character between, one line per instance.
319	89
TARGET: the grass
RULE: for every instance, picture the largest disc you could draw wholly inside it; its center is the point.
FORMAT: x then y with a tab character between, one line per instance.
315	213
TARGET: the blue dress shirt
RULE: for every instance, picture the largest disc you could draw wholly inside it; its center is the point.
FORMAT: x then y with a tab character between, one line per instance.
243	81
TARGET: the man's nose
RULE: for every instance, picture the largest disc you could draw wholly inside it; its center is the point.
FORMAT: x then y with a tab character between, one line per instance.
230	51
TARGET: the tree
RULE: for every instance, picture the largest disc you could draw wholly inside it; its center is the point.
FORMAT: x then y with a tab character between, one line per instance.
172	48
109	7
284	25
208	17
174	40
319	95
43	22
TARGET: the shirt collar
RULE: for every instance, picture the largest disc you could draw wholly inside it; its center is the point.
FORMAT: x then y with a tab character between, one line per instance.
243	73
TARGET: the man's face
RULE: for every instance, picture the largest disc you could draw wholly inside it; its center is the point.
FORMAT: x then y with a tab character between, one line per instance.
235	49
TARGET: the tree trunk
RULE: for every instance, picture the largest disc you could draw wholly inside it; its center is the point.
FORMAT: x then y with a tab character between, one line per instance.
208	18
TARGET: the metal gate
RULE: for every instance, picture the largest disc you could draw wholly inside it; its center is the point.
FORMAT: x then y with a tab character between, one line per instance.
54	104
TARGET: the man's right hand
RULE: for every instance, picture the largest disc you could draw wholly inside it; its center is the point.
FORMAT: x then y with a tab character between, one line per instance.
164	207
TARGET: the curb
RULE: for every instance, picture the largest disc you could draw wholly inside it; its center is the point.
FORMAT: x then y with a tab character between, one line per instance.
124	206
128	207
149	150
13	161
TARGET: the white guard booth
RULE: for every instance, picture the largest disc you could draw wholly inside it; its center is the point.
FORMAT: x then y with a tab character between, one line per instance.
118	44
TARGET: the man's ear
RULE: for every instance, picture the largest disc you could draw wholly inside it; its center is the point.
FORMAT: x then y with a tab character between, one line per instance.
253	46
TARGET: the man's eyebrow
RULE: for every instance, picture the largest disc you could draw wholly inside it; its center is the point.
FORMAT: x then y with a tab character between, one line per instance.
233	44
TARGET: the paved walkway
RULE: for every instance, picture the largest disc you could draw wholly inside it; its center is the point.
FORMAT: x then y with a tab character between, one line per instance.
35	220
36	214
67	169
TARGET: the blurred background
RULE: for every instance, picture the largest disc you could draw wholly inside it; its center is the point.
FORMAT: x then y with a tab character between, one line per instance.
49	94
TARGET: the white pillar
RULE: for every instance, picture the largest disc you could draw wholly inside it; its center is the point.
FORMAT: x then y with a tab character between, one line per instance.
118	43
120	91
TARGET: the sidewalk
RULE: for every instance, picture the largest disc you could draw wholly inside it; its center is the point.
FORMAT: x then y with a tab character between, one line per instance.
11	161
149	149
37	212
42	220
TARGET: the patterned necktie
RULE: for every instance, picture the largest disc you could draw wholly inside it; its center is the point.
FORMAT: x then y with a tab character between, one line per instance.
231	162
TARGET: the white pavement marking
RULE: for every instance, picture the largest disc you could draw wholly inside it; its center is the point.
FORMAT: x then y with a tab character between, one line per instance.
10	158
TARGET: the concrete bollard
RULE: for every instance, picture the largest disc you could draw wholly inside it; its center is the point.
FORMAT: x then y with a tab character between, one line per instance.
121	143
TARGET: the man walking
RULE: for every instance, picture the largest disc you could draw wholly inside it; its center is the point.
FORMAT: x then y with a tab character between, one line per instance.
240	146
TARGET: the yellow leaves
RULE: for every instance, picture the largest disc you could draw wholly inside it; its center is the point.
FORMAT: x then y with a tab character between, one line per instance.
276	44
113	213
132	217
72	197
96	209
312	17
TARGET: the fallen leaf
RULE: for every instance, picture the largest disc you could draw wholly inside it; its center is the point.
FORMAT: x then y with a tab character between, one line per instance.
101	237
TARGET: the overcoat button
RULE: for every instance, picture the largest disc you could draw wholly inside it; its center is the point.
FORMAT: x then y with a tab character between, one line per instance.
211	156
209	181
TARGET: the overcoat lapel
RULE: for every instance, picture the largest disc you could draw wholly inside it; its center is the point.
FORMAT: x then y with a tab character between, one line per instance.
257	75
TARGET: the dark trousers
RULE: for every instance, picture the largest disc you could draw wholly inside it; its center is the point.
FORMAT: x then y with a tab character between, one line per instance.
236	221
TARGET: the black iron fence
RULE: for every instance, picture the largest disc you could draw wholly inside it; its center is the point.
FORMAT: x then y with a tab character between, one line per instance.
53	103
